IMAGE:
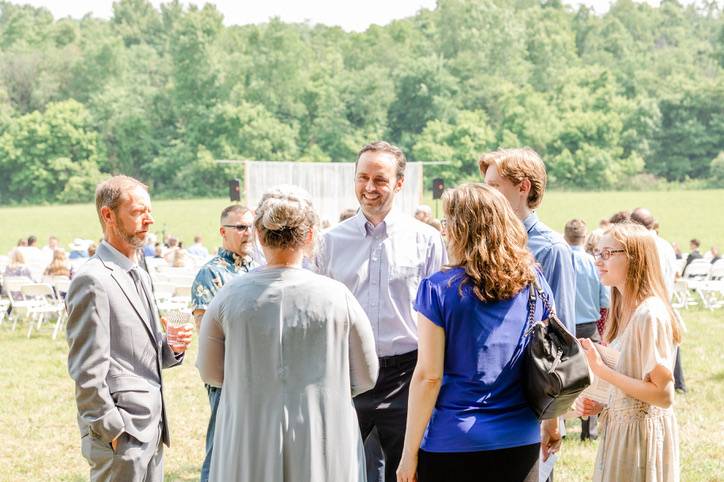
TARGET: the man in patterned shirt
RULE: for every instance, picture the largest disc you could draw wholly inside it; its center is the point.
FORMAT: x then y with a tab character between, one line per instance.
232	260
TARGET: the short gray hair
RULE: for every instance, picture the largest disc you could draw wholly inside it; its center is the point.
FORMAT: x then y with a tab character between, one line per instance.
234	208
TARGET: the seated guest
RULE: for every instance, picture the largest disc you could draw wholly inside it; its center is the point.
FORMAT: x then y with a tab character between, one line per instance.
693	253
172	245
591	297
468	418
715	256
59	266
17	266
78	249
180	260
290	348
198	249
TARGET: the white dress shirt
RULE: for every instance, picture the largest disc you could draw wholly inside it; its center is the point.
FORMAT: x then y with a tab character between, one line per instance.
382	266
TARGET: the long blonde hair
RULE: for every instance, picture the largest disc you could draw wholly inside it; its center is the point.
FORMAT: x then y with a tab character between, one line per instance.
59	265
487	240
643	279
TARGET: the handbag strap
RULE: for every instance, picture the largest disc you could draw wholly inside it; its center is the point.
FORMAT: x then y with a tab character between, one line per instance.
534	292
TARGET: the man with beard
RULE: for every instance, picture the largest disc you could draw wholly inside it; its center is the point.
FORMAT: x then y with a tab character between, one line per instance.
117	347
232	259
381	255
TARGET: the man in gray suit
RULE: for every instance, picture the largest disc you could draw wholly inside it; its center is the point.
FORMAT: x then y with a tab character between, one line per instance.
117	347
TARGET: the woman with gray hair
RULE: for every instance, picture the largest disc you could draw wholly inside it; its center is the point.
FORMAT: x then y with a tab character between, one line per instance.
290	348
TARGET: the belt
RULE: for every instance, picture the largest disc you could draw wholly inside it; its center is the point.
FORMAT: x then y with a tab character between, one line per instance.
397	360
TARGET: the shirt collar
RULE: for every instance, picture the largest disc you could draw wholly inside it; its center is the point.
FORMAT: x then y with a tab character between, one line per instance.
235	259
119	258
386	226
578	247
530	221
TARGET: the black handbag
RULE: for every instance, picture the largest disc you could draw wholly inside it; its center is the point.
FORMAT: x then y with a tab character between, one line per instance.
555	367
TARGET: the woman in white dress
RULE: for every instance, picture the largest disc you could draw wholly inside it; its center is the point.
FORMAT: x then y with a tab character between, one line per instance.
639	437
290	349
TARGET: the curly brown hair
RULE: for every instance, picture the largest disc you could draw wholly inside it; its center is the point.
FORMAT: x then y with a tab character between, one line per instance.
488	241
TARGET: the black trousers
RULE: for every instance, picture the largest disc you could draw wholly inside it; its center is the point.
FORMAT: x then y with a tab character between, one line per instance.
515	464
679	382
385	407
589	424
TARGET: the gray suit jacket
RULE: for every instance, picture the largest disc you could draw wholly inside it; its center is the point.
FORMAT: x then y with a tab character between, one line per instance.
116	351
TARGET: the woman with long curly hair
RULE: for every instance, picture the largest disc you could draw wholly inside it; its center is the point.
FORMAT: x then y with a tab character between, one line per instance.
468	418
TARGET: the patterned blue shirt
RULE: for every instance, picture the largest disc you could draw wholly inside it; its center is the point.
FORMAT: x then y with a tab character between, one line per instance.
591	295
216	273
554	256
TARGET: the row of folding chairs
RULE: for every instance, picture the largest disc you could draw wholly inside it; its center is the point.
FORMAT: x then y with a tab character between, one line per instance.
34	303
702	283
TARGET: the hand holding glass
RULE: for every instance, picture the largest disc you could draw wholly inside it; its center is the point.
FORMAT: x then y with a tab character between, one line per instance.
179	330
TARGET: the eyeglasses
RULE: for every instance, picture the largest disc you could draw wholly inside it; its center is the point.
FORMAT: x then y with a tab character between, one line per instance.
239	227
606	253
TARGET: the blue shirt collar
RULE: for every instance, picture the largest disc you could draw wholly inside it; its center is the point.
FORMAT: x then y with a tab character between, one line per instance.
385	227
530	221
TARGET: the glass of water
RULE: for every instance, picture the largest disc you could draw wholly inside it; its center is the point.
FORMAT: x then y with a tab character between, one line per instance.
176	320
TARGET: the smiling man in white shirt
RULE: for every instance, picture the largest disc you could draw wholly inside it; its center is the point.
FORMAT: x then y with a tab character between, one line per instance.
381	255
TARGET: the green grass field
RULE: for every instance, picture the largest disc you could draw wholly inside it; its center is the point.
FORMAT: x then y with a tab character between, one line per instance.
681	214
40	439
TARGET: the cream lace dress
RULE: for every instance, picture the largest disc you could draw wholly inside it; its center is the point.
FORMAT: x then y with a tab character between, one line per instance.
640	442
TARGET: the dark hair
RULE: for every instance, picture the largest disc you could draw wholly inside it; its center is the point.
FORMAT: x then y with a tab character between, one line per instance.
620	217
32	239
382	146
575	231
695	242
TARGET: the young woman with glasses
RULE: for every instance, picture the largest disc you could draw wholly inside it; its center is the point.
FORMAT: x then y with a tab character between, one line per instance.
639	440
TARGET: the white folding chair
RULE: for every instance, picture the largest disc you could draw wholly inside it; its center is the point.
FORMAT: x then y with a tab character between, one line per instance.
46	304
19	306
4	307
711	290
61	285
695	275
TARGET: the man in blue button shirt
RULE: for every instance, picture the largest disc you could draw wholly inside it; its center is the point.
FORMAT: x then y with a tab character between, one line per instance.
521	176
591	296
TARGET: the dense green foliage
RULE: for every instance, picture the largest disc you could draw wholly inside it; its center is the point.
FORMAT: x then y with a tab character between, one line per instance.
625	100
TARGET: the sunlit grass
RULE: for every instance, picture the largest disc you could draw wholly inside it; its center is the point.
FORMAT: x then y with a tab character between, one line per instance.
40	439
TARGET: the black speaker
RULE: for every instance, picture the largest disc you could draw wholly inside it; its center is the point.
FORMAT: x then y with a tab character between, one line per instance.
234	190
438	186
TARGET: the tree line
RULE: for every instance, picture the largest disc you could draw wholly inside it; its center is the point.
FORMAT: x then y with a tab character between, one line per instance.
630	99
